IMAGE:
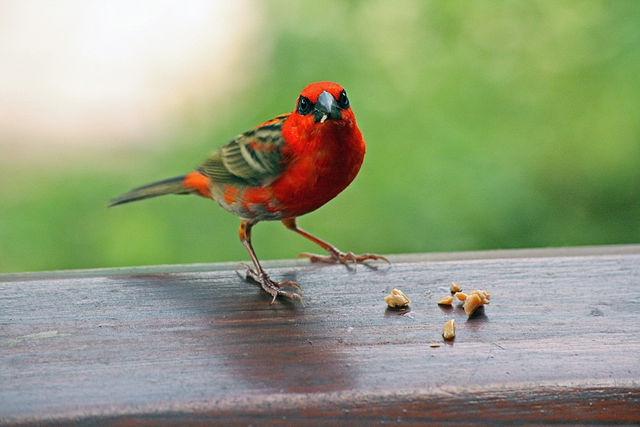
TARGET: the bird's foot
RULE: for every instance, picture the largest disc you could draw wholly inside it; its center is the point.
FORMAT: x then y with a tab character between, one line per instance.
343	257
272	287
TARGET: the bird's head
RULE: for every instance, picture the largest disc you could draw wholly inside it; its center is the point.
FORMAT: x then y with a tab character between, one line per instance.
324	101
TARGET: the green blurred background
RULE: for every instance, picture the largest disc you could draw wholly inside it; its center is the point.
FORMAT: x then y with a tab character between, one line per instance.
489	124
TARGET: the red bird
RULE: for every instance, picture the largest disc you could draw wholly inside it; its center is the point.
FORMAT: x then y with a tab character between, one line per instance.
279	170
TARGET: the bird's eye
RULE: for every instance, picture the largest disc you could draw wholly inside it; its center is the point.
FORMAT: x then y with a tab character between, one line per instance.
304	105
343	101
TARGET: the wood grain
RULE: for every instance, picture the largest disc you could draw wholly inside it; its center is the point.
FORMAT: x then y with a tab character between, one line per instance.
195	344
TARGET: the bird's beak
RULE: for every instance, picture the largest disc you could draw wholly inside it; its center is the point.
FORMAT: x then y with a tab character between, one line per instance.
326	108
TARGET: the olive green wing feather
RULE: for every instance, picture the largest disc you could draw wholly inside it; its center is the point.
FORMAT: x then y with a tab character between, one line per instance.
252	158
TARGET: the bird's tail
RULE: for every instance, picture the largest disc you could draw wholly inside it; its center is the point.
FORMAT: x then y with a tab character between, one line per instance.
159	188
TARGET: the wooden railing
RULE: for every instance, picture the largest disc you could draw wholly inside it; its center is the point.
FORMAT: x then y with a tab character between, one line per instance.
189	344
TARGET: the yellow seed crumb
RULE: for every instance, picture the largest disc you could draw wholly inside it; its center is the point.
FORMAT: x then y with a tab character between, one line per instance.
475	300
484	295
448	300
449	330
397	298
455	288
461	296
434	345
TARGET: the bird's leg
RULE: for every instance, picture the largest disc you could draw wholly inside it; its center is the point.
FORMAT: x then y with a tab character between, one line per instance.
335	254
258	274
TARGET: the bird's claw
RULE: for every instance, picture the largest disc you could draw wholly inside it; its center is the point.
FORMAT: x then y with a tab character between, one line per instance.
343	257
272	287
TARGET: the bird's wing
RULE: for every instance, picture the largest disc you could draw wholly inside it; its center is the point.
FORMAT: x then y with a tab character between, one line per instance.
252	158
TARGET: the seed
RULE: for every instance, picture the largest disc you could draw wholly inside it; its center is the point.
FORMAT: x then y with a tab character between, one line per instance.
475	300
448	300
449	330
396	299
455	288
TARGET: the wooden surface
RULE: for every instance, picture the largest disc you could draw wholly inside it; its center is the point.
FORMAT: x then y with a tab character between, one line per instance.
194	344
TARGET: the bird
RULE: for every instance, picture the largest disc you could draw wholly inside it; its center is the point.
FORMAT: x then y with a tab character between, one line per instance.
279	170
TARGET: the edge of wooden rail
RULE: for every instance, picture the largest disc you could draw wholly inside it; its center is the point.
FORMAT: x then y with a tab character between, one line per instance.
548	252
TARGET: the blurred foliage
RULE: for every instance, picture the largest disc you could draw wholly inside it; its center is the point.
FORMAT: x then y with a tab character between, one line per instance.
489	124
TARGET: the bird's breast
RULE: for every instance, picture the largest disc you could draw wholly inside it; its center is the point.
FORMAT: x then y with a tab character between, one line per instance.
318	172
315	169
